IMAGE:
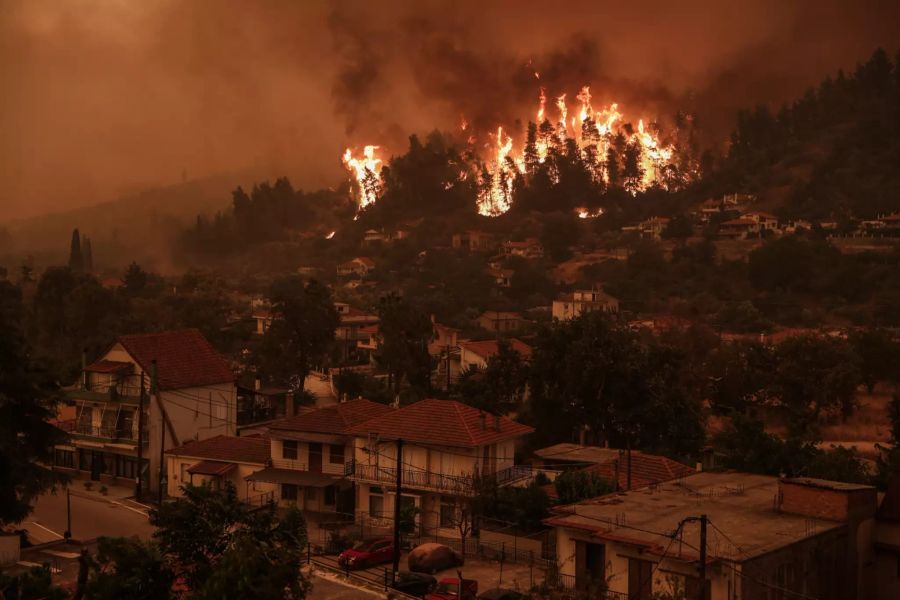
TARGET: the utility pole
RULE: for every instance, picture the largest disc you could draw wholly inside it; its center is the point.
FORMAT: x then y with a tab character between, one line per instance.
397	498
702	593
138	482
68	532
154	389
448	367
629	462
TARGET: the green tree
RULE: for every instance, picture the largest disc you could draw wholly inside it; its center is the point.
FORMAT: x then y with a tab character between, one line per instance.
129	568
576	485
35	584
879	355
559	234
740	376
27	397
76	260
135	279
87	255
304	321
679	227
404	332
500	387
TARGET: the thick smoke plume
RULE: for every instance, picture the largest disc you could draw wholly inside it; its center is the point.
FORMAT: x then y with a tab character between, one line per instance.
101	97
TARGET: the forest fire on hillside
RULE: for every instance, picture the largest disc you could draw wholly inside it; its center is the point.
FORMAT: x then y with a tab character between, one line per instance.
610	148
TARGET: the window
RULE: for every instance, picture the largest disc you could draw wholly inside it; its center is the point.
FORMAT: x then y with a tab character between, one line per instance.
335	454
289	449
64	458
330	495
289	492
376	505
448	512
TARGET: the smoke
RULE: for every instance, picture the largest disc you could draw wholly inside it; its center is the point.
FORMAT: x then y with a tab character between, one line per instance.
106	96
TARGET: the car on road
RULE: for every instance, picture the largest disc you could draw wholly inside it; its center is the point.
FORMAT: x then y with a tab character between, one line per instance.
366	553
415	584
449	588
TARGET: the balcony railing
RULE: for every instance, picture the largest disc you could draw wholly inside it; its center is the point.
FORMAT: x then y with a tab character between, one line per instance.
107	432
414	478
288	463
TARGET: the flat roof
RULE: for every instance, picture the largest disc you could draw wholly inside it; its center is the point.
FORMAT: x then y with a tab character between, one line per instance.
741	505
578	453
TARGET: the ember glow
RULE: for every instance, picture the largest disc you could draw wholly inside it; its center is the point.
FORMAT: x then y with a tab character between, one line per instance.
365	172
584	213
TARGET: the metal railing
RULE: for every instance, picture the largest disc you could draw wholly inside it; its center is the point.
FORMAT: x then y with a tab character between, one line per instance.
414	478
260	499
108	432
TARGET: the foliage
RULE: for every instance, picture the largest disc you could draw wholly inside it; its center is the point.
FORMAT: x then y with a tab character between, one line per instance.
304	320
76	260
500	387
33	584
579	484
223	549
129	567
403	334
27	397
879	355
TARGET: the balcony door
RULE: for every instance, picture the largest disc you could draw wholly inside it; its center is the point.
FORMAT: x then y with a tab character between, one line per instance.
315	457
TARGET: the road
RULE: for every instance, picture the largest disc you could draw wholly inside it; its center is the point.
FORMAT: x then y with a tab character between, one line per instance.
326	588
92	517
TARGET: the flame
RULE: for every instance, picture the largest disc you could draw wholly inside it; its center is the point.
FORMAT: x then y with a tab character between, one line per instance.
330	235
584	213
496	186
543	100
366	172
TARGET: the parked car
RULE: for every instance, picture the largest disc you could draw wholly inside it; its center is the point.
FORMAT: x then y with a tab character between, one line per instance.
449	588
415	584
431	558
502	594
366	553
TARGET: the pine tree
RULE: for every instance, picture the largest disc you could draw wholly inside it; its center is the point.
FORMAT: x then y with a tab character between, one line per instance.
531	155
87	255
76	260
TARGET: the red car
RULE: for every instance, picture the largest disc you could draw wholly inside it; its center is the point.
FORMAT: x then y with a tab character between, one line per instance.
366	553
450	589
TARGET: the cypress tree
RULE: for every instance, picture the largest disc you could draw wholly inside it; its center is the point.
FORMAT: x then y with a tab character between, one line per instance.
87	255
76	260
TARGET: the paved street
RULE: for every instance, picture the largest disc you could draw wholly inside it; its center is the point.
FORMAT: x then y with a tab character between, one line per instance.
92	516
326	587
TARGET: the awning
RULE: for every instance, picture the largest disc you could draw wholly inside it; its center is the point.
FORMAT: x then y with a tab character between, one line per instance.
210	467
303	478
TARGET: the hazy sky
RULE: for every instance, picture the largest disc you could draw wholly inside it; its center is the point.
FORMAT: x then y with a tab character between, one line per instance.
101	97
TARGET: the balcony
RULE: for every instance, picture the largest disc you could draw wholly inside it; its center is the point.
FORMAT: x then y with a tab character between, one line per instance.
461	485
287	463
128	394
102	432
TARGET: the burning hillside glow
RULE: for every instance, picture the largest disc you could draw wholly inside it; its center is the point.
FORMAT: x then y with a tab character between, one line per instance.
366	175
607	145
584	213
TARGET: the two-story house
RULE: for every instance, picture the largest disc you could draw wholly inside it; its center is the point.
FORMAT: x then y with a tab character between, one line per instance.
529	248
445	446
500	321
572	305
309	453
191	397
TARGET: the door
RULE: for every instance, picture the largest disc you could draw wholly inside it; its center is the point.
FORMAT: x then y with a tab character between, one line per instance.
639	573
315	457
96	465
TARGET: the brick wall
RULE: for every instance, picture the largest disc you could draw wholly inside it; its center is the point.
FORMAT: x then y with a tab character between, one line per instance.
820	502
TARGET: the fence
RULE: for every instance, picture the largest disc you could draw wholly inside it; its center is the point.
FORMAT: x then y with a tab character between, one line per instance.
555	579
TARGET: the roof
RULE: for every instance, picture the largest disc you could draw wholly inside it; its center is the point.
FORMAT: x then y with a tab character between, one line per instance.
250	449
827	484
488	348
305	478
443	423
738	504
337	419
364	260
894	217
211	467
739	222
183	358
108	366
500	314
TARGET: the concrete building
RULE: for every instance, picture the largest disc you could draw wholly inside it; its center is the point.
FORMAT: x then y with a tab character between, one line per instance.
767	538
221	459
195	399
473	241
309	453
359	266
475	355
445	444
579	302
499	321
529	248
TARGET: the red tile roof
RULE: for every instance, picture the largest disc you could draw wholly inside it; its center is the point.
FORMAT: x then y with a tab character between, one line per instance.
443	423
646	469
489	348
108	366
211	467
183	358
739	222
250	449
338	419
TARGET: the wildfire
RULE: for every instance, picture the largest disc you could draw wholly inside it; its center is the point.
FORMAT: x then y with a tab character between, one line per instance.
330	235
584	213
365	171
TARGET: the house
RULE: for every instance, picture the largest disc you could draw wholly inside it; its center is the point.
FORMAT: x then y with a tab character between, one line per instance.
765	221
359	266
473	241
502	277
444	445
886	542
796	225
259	404
368	343
194	399
444	349
765	538
738	229
308	454
221	459
498	321
375	236
475	355
653	227
530	248
623	469
579	302
355	327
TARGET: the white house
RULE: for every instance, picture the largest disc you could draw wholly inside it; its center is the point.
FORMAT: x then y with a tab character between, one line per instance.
575	304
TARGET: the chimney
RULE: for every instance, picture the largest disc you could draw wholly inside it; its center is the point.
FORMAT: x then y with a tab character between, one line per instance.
482	420
289	408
